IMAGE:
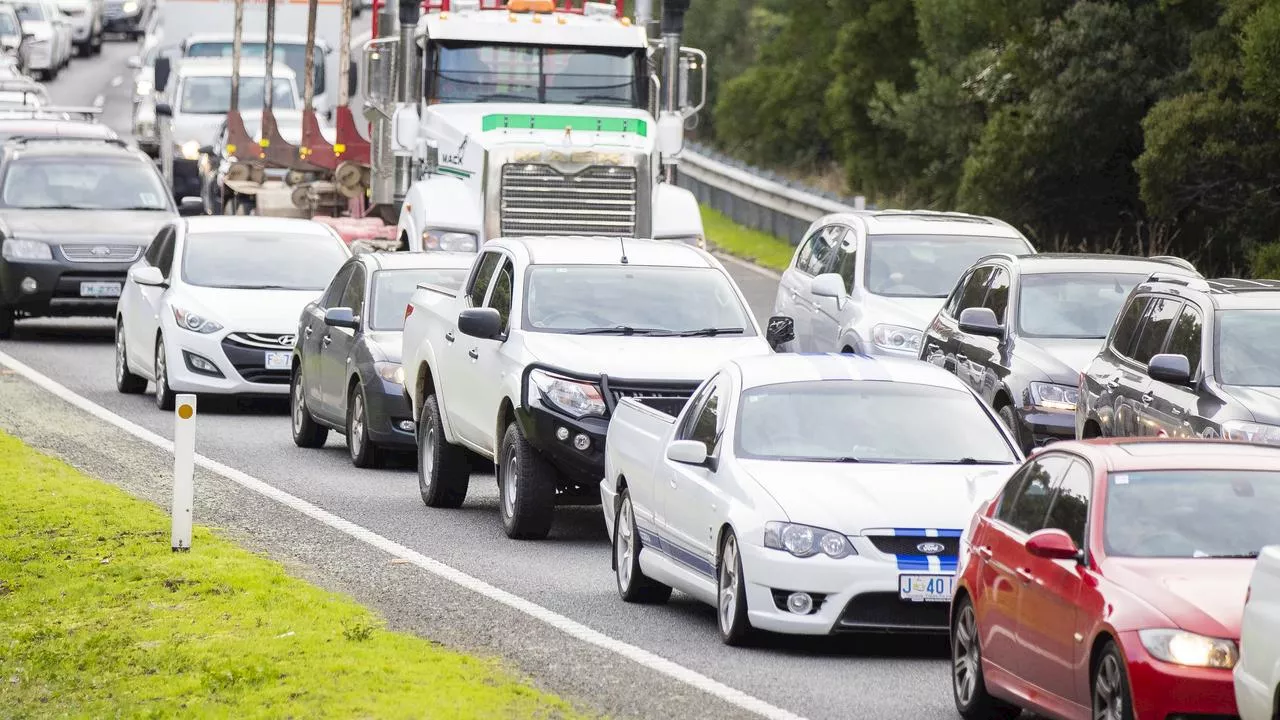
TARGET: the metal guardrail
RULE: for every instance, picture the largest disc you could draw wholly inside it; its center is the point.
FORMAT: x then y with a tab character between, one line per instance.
758	199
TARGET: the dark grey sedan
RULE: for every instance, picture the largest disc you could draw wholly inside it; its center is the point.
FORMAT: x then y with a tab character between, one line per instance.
346	360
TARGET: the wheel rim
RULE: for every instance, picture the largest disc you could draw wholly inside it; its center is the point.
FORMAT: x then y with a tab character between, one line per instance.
1108	693
510	479
966	659
428	451
625	544
357	425
120	356
730	584
162	373
299	404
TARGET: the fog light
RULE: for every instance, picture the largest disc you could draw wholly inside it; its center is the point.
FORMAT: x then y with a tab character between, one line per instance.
581	442
200	364
29	285
406	425
562	434
800	603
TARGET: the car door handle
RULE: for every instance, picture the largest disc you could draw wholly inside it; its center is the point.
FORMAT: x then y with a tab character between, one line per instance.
474	353
1024	574
1175	410
327	339
307	331
984	552
448	337
1112	384
1146	399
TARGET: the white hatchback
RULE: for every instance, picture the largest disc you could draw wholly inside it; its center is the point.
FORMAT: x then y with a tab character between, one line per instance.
213	305
1257	674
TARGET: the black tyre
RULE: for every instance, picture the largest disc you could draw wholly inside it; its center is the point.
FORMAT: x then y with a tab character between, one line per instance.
364	452
526	488
6	323
307	433
968	687
164	394
731	595
126	381
633	586
1010	420
444	470
1110	687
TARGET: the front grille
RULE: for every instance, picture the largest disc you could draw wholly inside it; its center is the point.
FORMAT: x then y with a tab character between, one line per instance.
250	360
540	200
262	341
102	253
886	612
910	544
673	395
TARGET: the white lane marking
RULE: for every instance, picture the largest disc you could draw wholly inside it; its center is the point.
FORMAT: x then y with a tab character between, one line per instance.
117	81
727	258
570	627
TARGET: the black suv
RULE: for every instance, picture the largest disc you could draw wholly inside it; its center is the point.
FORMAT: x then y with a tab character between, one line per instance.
1020	329
1189	358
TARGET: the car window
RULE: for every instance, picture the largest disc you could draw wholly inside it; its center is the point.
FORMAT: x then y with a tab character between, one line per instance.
164	260
500	296
480	281
1069	510
846	261
1155	328
152	256
974	290
333	295
74	181
998	294
706	426
353	296
816	257
1030	507
1185	339
694	408
1248	344
1073	304
1127	325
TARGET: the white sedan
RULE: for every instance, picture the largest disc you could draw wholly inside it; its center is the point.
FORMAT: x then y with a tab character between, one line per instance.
804	494
213	305
1257	674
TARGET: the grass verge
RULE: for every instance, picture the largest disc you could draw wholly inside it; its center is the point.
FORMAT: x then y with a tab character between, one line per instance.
757	247
99	618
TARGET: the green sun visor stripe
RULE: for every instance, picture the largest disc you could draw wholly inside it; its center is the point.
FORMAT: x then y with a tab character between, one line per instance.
561	122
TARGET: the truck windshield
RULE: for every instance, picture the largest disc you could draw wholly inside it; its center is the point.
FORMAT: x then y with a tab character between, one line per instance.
292	54
629	300
211	95
474	73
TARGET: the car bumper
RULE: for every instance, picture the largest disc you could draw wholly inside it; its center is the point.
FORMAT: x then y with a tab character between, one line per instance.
1162	691
123	23
241	370
540	428
58	290
1044	427
386	411
852	594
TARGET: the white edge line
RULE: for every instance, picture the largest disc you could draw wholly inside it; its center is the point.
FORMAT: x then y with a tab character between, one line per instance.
435	567
726	257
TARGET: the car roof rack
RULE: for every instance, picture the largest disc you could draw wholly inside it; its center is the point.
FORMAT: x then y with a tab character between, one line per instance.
1193	283
33	111
1241	285
1175	261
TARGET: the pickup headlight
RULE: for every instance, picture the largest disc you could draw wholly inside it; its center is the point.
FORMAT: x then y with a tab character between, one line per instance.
448	241
1251	432
805	541
896	338
1054	397
575	397
190	150
1189	649
391	372
26	250
188	320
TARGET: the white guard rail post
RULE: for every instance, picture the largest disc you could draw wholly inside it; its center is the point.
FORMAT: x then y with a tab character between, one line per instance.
184	467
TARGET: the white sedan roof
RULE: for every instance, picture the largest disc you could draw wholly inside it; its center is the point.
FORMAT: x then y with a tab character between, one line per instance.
762	370
201	224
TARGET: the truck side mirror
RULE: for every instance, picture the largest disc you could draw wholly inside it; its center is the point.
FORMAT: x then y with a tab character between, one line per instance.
353	79
670	135
781	330
404	132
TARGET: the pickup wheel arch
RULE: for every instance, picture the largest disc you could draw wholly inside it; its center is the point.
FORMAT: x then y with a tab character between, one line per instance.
424	384
506	416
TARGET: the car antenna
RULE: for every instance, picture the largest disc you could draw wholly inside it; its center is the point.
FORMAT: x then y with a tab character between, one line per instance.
624	249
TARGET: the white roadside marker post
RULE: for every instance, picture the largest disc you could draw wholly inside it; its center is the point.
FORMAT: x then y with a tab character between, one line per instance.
184	467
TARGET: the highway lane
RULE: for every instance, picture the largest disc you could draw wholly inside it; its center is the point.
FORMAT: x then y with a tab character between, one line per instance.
569	573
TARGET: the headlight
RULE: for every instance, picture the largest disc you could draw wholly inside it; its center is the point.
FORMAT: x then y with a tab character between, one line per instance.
1188	649
129	7
391	372
195	323
143	87
574	397
1054	397
448	241
25	250
804	541
190	149
1250	432
897	338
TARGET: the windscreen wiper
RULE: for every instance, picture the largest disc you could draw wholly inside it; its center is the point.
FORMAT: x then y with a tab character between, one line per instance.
621	330
1231	556
801	458
712	332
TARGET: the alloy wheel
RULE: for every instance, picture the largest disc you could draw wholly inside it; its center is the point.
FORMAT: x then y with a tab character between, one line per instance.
624	546
299	404
965	657
510	481
730	584
357	423
1108	690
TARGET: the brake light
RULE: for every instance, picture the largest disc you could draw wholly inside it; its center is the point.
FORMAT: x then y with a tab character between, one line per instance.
408	310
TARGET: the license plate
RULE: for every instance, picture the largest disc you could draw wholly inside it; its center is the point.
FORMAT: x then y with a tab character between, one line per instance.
926	588
278	360
100	289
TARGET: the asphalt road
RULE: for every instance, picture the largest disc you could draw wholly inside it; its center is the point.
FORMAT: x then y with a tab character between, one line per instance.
842	677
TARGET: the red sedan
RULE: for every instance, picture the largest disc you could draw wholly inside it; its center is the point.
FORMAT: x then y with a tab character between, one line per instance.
1108	579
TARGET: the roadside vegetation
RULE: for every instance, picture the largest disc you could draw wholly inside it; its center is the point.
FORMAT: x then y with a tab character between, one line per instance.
99	618
752	245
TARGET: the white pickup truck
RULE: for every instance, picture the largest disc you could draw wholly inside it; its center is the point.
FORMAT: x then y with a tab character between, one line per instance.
1257	674
525	365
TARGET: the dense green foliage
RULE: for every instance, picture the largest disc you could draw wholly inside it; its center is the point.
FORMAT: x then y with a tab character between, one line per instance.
1138	126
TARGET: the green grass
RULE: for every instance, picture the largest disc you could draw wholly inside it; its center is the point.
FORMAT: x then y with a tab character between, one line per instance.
758	247
99	618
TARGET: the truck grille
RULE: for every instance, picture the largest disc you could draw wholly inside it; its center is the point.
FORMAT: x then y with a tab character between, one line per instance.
540	200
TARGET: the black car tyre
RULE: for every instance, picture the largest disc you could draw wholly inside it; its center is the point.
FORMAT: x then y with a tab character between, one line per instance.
444	470
526	488
126	381
6	322
731	595
364	452
968	687
164	394
1010	420
1110	687
633	585
307	433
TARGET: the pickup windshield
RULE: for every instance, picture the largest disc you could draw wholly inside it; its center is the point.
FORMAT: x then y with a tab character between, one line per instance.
475	73
633	300
292	54
867	421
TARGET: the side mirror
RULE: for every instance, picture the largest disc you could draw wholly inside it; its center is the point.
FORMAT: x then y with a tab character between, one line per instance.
828	285
149	275
483	323
134	62
780	331
980	321
341	317
670	134
191	206
1169	368
1052	544
164	109
689	452
163	66
404	130
28	36
353	79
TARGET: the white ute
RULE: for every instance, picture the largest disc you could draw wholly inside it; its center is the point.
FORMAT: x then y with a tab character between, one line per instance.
1257	675
805	494
525	365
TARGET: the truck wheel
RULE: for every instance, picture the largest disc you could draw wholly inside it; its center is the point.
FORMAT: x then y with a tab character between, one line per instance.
307	433
365	453
526	488
633	586
444	470
126	381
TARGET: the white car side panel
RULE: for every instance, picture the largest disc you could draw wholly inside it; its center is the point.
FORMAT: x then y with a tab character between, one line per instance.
425	324
1257	675
636	441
